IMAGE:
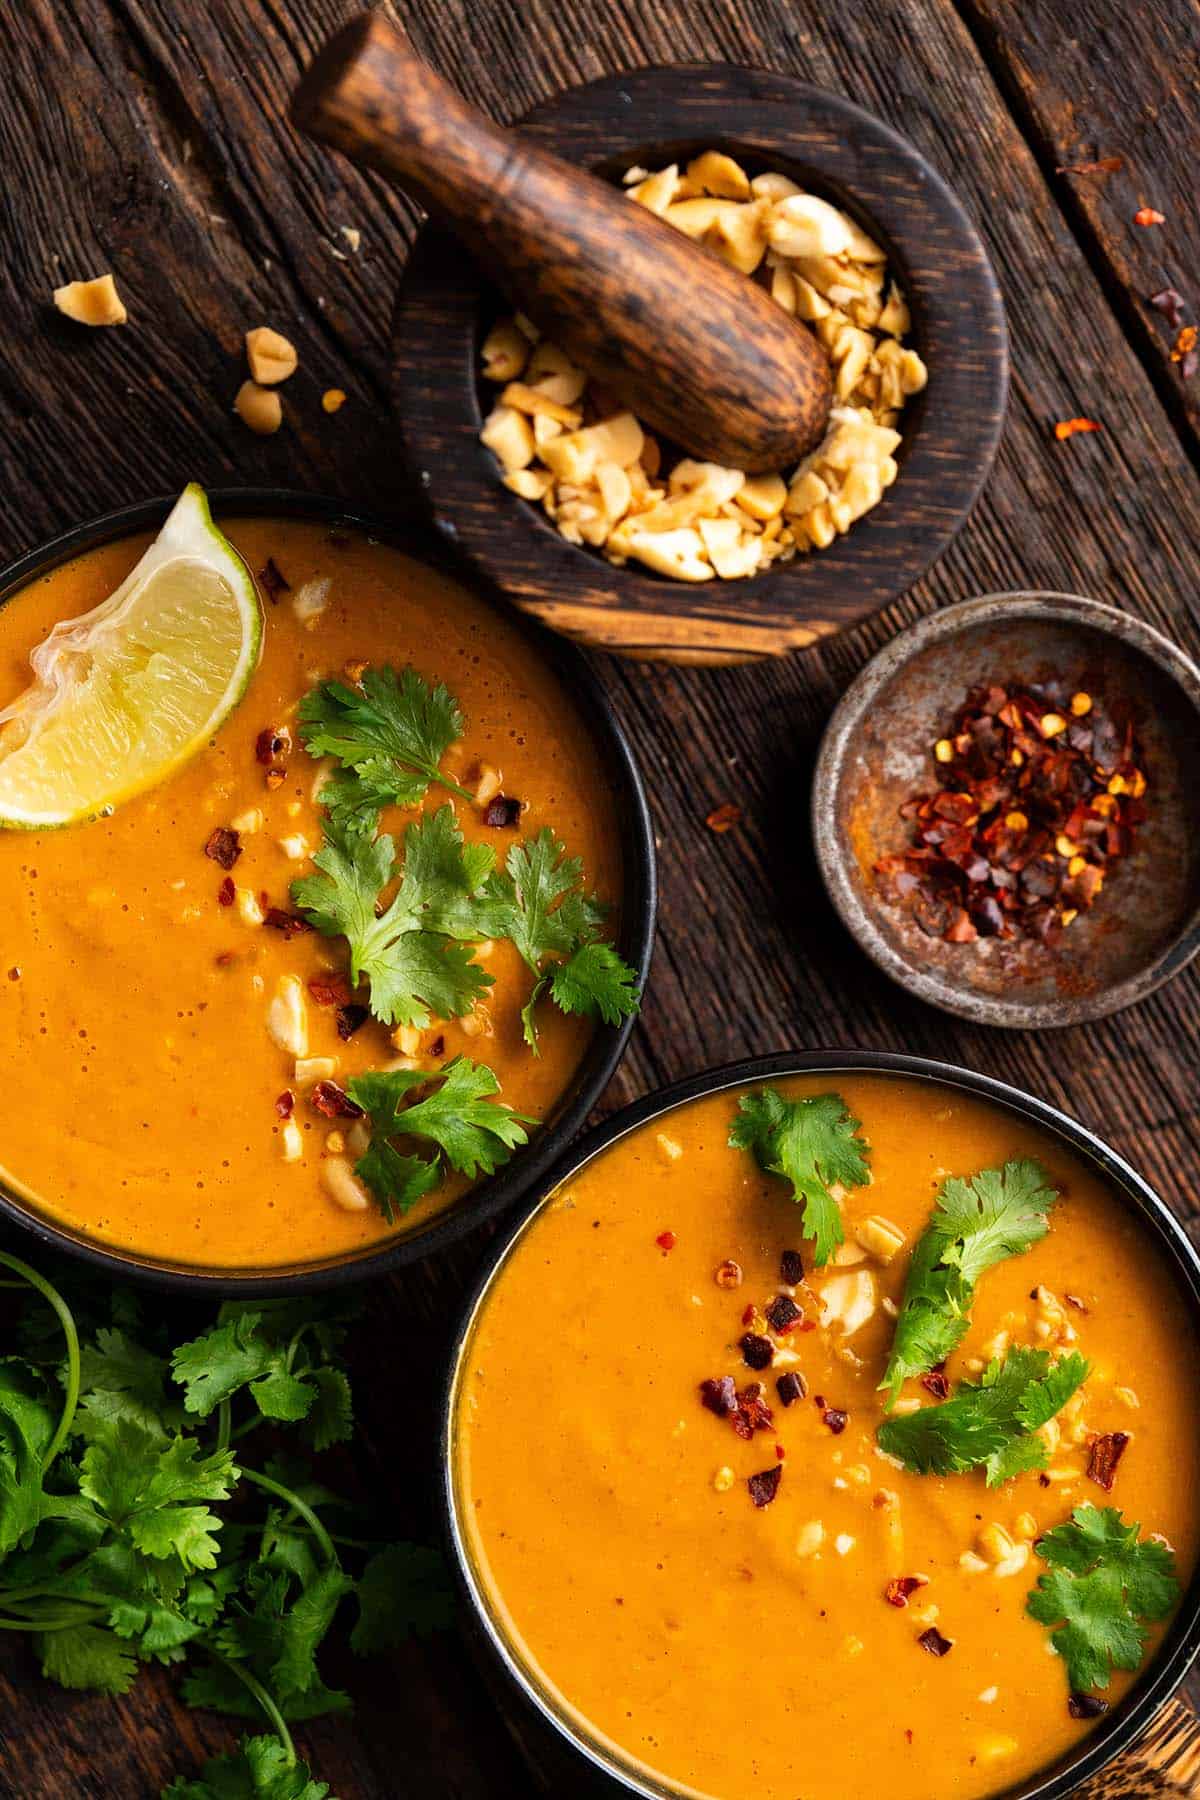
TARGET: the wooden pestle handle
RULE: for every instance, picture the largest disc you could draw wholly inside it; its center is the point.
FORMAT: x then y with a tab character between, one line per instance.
701	353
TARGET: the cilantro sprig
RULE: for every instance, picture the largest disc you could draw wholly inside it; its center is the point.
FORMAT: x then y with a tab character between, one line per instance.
978	1221
992	1422
389	734
1103	1586
811	1143
137	1524
457	1113
408	950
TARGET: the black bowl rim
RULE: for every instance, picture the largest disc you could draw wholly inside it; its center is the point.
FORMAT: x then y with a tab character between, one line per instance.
955	436
1180	1646
834	856
639	903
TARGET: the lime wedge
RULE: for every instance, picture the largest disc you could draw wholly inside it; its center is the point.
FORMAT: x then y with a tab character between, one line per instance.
124	695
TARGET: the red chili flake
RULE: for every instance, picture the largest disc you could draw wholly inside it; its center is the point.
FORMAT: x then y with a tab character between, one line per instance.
765	1486
1149	215
791	1268
936	1384
666	1241
1043	1480
275	778
1075	1301
780	1452
748	1314
756	1351
272	744
933	1641
719	1394
752	1412
224	958
1037	795
724	818
908	1736
438	1046
333	1102
226	892
1104	1453
836	1420
330	990
1065	428
271	581
285	1106
897	1591
783	1314
1169	302
728	1274
290	924
349	1019
1104	165
1086	1706
790	1388
502	812
223	846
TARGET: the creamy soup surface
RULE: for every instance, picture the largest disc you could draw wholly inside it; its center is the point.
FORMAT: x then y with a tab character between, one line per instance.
133	1003
734	1652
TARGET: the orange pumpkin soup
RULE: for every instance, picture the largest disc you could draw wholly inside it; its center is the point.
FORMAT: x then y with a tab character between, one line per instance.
168	1105
669	1469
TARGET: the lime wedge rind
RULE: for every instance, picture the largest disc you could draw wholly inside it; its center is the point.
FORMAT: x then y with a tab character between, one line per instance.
125	694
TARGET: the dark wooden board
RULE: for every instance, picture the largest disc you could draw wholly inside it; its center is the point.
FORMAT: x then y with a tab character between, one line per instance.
102	100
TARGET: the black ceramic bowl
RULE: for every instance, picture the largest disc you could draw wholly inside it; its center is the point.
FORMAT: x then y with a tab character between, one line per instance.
592	1767
636	938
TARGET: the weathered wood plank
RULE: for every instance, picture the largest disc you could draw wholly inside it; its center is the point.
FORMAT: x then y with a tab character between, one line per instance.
102	101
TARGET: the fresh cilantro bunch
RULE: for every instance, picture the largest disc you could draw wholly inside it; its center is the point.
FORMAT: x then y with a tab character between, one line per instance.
457	1113
811	1143
1103	1586
990	1422
132	1530
389	734
978	1221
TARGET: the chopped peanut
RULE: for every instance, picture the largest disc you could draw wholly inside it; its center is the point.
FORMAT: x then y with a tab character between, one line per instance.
291	1142
269	355
879	1237
259	408
343	1186
91	302
287	1016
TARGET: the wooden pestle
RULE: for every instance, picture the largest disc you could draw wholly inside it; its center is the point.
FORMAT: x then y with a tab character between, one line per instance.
699	352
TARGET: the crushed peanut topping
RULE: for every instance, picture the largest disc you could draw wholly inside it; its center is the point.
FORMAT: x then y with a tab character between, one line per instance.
269	356
91	302
600	478
259	407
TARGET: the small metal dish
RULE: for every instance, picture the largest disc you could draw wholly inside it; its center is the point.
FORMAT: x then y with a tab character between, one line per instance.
623	782
875	753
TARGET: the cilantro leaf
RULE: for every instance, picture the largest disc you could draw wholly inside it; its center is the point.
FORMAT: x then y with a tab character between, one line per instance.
150	1491
275	1353
26	1428
413	972
261	1769
442	876
475	1133
403	1592
812	1144
354	798
540	905
595	982
990	1421
390	728
87	1656
331	1415
1103	1585
977	1222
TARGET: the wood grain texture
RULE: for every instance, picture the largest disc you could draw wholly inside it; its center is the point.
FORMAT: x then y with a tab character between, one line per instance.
126	126
950	432
736	380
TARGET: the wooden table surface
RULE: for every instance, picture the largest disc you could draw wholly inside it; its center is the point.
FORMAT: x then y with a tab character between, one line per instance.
148	136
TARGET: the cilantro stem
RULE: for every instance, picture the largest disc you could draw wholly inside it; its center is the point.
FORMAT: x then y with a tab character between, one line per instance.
67	1320
224	1422
297	1505
274	1717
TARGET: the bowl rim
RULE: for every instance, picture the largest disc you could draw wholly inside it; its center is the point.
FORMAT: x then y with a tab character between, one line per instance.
834	857
639	902
1159	1679
951	435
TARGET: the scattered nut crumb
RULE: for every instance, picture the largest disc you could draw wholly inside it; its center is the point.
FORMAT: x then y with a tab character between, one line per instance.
270	356
94	302
258	407
333	399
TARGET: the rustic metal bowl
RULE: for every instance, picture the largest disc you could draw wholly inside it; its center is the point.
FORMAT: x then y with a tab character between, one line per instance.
1145	926
950	432
1145	1745
623	782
